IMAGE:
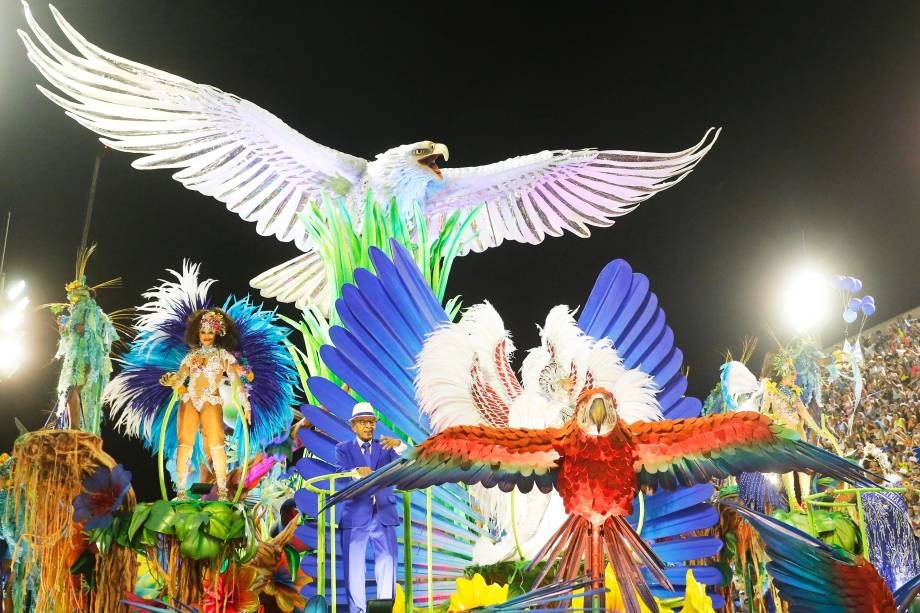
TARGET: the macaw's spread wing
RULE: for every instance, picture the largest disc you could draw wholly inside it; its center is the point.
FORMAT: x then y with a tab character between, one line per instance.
813	576
687	451
224	146
503	457
526	198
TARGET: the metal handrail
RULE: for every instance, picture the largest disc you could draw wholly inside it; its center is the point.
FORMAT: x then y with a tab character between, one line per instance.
859	491
407	538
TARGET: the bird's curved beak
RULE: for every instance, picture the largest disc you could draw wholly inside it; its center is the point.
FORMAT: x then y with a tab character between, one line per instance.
430	161
598	412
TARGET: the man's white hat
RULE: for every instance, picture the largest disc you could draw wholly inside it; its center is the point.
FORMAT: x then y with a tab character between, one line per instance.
362	409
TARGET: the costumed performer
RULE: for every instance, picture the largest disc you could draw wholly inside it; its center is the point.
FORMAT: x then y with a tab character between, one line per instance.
777	395
211	335
181	331
369	517
783	400
87	335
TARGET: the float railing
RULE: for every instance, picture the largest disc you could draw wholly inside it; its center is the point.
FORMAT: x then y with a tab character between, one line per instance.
322	524
810	501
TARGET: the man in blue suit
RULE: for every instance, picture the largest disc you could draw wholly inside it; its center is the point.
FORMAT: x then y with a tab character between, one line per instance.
369	517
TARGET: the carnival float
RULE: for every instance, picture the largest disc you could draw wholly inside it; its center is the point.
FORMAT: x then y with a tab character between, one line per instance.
588	480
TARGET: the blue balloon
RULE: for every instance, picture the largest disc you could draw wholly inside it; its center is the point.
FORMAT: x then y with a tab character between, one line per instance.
868	309
857	284
869	299
854	304
849	316
839	281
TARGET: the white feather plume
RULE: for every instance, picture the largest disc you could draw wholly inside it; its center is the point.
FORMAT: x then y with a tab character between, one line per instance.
443	383
742	386
170	296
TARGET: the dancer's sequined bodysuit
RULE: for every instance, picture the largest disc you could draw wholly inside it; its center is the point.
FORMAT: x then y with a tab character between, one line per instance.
205	368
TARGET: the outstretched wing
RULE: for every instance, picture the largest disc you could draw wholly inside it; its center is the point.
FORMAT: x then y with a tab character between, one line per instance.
529	197
464	371
226	147
683	452
502	457
813	576
622	309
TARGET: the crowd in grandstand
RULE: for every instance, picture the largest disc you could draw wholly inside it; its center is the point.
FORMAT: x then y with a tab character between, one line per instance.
883	430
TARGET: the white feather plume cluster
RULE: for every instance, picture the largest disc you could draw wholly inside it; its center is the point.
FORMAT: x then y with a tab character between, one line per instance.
443	381
164	300
633	389
561	335
742	386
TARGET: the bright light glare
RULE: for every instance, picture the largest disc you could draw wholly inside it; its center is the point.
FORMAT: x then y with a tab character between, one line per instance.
10	320
15	290
805	299
772	478
11	355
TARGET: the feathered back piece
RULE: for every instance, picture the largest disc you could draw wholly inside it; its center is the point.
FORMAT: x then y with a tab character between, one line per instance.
464	373
569	358
138	402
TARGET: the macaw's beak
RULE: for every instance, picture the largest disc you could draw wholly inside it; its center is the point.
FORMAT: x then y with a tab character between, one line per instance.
431	160
598	413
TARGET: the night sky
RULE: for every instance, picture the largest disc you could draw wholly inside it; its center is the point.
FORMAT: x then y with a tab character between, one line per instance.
818	158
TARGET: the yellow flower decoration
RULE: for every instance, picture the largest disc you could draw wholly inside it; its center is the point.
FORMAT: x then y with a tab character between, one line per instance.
399	600
697	601
614	600
476	592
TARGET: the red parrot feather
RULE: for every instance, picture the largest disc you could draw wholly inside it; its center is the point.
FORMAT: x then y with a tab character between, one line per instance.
683	452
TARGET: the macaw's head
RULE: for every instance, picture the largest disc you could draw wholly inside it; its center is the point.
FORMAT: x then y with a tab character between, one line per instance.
596	411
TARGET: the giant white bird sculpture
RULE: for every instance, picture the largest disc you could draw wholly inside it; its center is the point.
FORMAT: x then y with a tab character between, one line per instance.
268	173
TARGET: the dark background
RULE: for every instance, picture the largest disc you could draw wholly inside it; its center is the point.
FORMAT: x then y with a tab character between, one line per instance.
817	161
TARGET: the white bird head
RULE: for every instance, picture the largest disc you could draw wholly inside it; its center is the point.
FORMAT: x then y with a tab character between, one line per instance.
405	172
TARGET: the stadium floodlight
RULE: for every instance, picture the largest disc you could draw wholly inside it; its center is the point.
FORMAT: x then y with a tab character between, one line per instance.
12	314
805	298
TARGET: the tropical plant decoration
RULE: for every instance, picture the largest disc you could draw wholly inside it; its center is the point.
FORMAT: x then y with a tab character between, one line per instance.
344	250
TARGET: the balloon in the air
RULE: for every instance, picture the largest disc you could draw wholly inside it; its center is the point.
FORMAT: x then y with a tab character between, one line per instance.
849	316
869	300
854	304
857	284
839	281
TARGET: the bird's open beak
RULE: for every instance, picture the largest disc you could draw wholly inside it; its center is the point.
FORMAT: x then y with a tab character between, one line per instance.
430	161
598	413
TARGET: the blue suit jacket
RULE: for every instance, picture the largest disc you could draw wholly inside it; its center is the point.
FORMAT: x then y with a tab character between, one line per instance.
357	511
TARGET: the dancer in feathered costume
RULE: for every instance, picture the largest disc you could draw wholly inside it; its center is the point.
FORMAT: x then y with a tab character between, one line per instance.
776	394
87	335
181	336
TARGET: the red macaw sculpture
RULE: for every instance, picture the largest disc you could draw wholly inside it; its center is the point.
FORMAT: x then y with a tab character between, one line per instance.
597	463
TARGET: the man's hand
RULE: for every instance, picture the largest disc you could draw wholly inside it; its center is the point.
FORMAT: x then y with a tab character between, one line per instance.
363	471
390	443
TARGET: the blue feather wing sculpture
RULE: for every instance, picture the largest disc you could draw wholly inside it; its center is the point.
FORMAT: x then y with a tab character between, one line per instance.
622	308
386	316
814	576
